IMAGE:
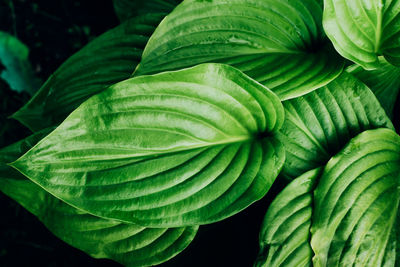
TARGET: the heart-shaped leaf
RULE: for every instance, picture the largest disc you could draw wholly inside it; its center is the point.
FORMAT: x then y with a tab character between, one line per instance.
179	148
320	123
363	30
128	244
277	42
383	81
346	212
127	9
108	59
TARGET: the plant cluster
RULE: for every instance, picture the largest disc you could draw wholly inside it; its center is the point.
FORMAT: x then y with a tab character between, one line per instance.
186	114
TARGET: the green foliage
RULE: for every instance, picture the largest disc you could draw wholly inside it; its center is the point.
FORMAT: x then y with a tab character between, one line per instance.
129	244
363	30
279	43
132	166
342	214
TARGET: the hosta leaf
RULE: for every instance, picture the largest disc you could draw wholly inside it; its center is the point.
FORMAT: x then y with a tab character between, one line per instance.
363	30
356	202
108	59
279	43
383	81
346	211
285	232
18	72
126	9
129	244
320	123
179	148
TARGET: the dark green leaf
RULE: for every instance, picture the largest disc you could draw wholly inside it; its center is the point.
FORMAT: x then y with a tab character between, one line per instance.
320	123
363	30
279	43
179	148
383	81
128	244
127	9
110	58
18	71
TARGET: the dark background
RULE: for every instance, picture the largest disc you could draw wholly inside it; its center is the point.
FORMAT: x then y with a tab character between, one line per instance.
53	30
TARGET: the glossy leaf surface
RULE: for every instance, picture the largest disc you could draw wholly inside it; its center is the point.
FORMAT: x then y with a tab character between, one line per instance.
320	123
108	59
345	210
279	43
383	81
363	30
128	244
178	148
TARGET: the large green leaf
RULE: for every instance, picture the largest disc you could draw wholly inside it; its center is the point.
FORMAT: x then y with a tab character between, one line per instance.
383	81
178	148
363	30
342	215
277	42
356	202
128	244
320	123
285	232
126	9
18	72
108	59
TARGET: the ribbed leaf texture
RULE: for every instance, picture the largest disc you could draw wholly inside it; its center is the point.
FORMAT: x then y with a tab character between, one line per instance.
179	148
128	244
108	59
277	42
383	81
346	210
363	30
320	123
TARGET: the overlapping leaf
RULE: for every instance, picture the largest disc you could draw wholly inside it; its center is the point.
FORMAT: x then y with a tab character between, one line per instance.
178	148
110	58
128	244
127	9
320	123
279	43
363	30
346	213
383	81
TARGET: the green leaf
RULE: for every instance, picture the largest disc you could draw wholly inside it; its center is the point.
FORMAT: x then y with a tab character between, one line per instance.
346	211
320	123
179	148
18	71
383	81
277	42
363	30
126	9
356	202
285	232
108	59
128	244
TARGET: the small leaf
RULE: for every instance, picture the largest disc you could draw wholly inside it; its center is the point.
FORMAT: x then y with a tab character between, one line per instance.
383	81
356	202
127	9
180	148
277	42
363	30
320	123
18	71
285	232
108	59
128	244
